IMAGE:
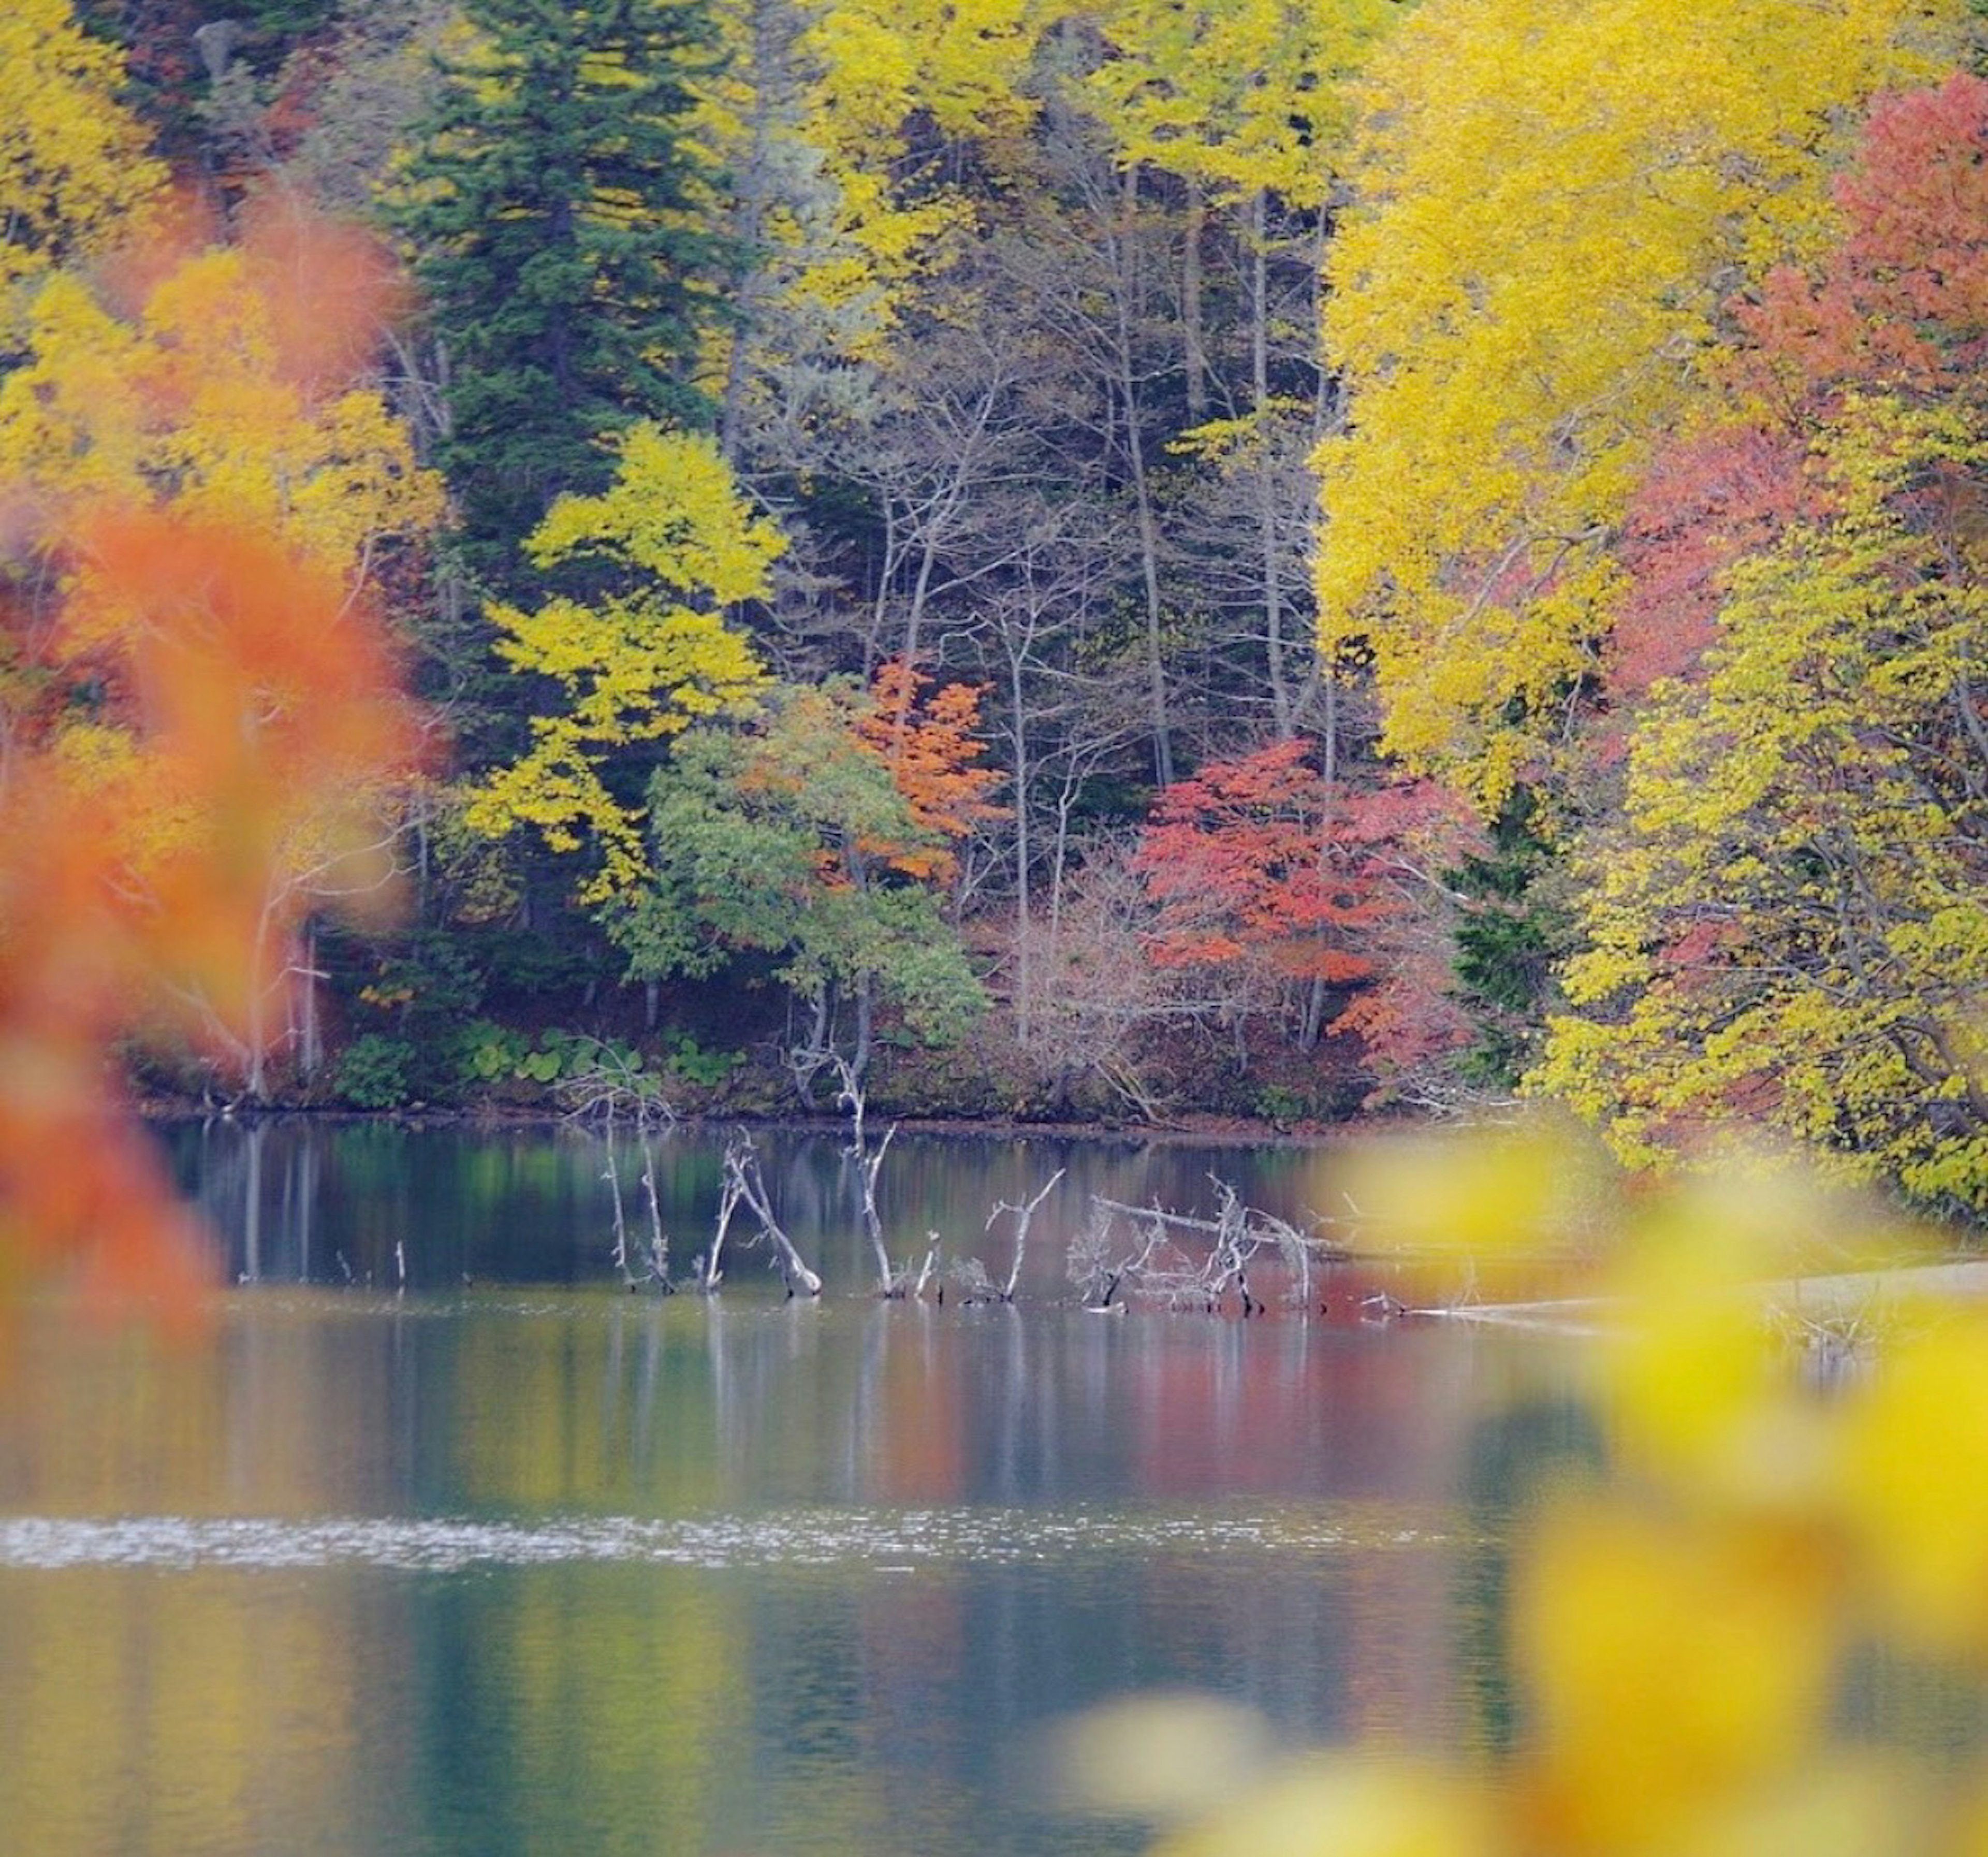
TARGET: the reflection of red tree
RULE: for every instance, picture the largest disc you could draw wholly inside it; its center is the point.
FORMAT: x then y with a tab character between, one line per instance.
921	1455
1274	1408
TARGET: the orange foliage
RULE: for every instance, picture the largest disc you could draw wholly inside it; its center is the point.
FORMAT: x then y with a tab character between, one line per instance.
201	709
929	743
1263	858
252	684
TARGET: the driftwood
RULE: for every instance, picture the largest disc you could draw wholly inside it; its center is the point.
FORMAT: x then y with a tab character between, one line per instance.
659	1240
1183	1260
657	1268
745	1184
869	1164
1023	1214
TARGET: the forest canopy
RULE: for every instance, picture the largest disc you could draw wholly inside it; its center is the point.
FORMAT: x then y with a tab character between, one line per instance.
1061	557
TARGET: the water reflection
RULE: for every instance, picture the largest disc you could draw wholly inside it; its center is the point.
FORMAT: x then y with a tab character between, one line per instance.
529	1568
301	1199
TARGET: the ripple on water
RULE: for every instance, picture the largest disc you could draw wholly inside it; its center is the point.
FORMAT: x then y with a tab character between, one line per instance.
896	1542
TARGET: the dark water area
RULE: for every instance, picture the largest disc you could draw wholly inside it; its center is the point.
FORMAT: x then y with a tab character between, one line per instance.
514	1560
299	1200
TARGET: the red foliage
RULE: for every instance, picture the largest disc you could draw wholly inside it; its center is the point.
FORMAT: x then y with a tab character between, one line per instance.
1262	860
1705	502
1901	305
1905	298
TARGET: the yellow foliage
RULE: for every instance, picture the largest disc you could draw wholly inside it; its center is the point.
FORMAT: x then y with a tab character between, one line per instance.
1243	96
1554	202
1348	1808
74	163
635	667
1914	1467
1671	1669
815	129
190	400
1788	926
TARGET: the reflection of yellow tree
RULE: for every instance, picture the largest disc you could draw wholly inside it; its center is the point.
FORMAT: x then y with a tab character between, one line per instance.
163	1714
643	1701
604	1413
192	1685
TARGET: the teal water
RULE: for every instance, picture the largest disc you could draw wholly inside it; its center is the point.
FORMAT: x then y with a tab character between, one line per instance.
514	1561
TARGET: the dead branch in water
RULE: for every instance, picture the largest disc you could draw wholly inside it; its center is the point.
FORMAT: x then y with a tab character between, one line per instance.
1184	1260
1023	1214
741	1171
891	1282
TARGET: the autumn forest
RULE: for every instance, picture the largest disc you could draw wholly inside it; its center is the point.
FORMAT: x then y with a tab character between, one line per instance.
1060	559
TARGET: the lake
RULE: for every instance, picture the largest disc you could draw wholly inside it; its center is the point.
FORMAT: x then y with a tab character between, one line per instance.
448	1543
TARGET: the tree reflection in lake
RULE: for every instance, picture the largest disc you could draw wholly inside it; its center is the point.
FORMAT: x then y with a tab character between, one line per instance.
516	1567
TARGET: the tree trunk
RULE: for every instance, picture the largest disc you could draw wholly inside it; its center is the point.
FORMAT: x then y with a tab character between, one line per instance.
1142	499
1281	708
1193	355
1024	1001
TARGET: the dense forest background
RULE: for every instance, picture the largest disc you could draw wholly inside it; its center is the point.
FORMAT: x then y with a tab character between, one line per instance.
1047	558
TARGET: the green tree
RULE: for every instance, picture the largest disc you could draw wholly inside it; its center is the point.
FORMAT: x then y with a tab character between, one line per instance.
797	838
552	209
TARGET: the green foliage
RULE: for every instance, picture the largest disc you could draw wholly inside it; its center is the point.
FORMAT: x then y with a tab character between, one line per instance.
486	1052
550	207
781	839
1505	944
428	976
375	1072
275	28
1278	1104
707	1070
529	964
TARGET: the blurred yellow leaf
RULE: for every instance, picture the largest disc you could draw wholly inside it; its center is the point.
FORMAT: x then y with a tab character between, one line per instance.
1667	1669
1915	1483
1349	1807
1162	1756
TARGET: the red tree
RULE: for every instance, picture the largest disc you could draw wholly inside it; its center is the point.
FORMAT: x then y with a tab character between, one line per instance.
1264	870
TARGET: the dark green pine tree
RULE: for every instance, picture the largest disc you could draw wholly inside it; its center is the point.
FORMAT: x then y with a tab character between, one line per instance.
552	214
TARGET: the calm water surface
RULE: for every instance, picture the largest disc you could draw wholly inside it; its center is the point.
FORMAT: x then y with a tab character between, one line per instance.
513	1561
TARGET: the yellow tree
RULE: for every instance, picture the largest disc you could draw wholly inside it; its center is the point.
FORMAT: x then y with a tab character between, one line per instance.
74	163
1787	925
194	683
1243	99
1789	929
220	380
198	695
216	385
833	122
633	667
1555	200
